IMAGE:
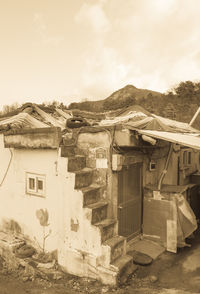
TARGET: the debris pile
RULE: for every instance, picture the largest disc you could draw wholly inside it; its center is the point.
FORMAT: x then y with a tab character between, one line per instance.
23	259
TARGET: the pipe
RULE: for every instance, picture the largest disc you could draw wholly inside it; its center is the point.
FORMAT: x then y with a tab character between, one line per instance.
166	166
148	139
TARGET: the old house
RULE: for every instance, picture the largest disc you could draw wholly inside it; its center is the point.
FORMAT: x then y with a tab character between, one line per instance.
90	190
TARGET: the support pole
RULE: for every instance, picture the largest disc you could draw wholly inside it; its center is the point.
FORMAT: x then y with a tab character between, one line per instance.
195	116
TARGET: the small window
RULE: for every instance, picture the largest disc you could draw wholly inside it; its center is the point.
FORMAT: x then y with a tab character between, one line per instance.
35	184
40	185
32	183
186	158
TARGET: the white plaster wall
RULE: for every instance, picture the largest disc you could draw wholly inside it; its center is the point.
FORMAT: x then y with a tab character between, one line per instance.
5	156
16	204
64	204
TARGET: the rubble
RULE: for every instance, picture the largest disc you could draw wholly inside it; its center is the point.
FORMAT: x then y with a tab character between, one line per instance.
25	251
153	278
25	261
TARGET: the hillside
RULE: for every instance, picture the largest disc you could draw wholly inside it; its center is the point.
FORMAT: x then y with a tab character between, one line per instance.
125	96
179	104
131	91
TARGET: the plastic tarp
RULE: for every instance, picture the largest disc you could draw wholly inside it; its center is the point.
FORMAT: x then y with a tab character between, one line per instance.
148	123
132	115
186	220
176	125
137	119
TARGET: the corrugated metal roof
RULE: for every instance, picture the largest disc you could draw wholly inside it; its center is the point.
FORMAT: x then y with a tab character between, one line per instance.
191	140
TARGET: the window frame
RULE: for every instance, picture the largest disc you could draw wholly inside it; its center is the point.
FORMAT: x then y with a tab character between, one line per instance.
36	191
186	157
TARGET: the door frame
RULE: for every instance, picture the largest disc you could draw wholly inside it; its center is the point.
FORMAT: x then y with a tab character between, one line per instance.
132	160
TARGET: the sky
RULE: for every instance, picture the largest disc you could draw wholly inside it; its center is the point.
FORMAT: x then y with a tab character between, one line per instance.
72	50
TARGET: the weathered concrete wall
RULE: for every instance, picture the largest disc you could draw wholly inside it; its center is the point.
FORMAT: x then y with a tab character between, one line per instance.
125	137
70	230
96	147
33	138
186	171
159	156
175	175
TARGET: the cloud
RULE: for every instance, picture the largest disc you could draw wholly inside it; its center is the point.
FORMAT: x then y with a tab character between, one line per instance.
103	70
90	48
93	16
41	29
157	40
150	44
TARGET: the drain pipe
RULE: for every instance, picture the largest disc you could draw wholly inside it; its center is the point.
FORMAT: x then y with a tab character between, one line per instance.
166	166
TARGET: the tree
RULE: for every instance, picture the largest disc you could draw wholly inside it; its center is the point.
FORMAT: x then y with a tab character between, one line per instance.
10	108
185	90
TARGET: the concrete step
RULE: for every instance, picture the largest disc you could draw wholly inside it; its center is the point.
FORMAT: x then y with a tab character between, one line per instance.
91	194
107	228
83	178
76	163
118	272
99	211
67	151
115	247
124	266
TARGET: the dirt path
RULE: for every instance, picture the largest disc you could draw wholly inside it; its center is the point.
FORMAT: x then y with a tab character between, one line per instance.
169	274
173	272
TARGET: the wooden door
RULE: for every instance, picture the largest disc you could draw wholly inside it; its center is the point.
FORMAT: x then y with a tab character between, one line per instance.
130	200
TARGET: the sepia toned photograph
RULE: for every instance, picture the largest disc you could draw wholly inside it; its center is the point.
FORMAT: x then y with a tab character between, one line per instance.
99	146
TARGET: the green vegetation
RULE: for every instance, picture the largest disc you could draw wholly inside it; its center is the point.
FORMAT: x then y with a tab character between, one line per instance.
180	103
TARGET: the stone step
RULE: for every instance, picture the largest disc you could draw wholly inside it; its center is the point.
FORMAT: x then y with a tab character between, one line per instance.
91	194
67	151
83	178
107	228
76	163
99	211
116	247
124	266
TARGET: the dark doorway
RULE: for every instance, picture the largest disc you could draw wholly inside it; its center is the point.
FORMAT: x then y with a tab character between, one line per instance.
130	200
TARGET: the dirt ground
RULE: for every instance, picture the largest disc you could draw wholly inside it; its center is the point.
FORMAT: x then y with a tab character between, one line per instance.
169	274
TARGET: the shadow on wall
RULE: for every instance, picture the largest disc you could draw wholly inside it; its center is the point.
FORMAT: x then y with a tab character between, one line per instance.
12	227
9	225
43	217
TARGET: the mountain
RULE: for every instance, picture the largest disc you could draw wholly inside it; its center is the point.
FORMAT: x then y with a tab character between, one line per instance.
131	91
127	96
123	97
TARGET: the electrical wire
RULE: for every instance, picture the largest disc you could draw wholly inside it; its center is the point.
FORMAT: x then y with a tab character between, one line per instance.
11	156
